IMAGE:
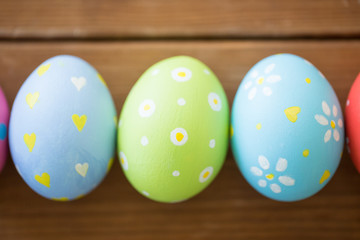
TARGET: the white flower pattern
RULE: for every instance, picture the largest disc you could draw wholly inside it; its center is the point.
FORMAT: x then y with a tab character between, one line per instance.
332	120
280	167
260	80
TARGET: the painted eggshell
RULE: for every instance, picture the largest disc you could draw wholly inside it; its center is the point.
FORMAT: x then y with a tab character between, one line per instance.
4	121
288	131
173	130
352	119
63	129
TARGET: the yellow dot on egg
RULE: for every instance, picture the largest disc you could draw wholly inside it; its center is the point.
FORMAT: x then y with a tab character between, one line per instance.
122	160
332	123
206	174
215	101
308	80
80	196
179	136
181	74
62	199
231	131
306	152
146	107
260	80
270	176
258	126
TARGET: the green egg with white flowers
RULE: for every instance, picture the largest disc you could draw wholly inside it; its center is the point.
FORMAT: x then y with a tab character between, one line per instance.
174	130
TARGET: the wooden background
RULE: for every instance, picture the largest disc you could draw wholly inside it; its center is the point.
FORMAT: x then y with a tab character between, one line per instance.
122	39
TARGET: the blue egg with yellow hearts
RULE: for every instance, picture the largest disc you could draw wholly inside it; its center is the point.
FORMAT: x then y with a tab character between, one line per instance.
287	128
63	128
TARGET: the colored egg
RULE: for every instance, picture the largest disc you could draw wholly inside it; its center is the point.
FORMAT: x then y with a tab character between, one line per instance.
173	130
63	129
4	121
288	130
352	120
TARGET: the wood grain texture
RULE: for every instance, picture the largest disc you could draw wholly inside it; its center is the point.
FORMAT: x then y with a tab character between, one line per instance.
178	18
229	208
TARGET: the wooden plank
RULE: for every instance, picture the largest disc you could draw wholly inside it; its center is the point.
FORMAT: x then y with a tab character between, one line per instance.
229	208
178	18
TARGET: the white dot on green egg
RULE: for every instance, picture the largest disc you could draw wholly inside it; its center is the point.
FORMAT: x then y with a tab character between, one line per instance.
120	122
146	108
214	101
212	143
181	102
179	136
155	72
206	71
144	141
206	174
176	173
181	74
145	193
123	161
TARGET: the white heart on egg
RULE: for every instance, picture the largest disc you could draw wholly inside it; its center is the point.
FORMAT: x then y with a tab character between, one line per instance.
79	82
82	168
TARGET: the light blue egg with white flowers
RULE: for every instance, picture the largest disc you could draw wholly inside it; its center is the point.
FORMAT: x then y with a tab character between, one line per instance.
287	128
63	129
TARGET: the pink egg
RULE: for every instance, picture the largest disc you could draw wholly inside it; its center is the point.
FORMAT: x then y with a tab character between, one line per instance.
4	122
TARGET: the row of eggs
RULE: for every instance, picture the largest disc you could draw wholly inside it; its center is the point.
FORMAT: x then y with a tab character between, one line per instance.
286	129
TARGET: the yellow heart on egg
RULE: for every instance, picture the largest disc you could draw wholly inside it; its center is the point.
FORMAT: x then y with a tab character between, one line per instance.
31	99
325	176
79	121
42	69
101	79
110	163
62	199
44	179
30	141
291	113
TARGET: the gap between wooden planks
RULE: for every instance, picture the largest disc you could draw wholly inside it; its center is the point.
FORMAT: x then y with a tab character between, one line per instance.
78	19
121	64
